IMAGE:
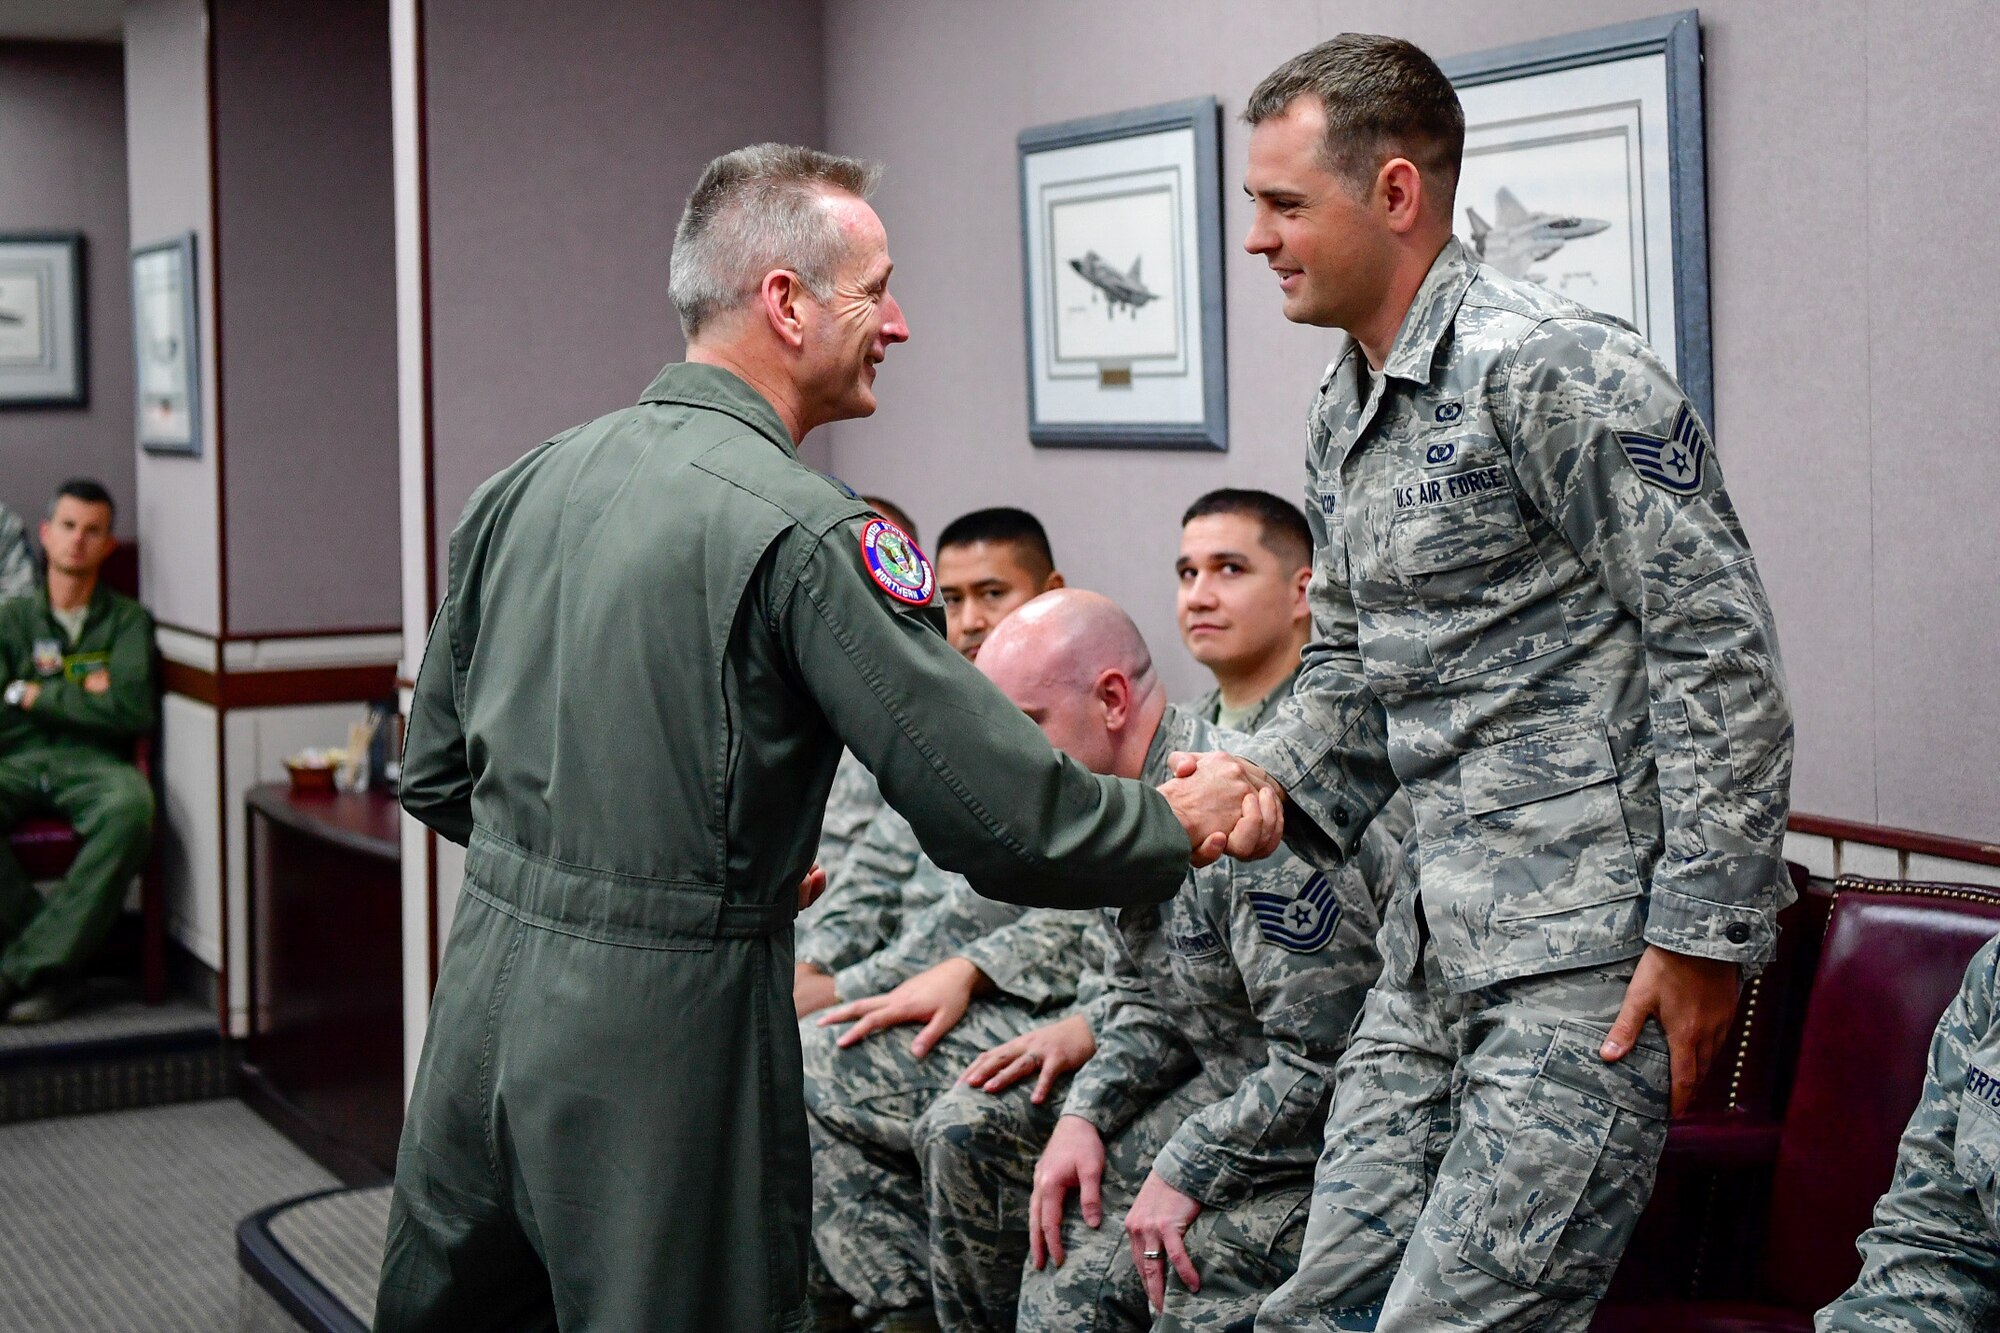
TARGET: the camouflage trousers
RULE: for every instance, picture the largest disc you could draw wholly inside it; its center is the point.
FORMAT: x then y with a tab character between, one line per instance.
1483	1167
979	1151
871	1228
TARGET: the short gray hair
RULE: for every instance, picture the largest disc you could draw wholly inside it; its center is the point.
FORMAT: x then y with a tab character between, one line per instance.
754	210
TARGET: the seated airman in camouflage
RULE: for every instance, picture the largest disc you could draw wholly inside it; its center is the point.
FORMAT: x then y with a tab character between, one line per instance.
1242	571
1210	1044
989	562
1931	1261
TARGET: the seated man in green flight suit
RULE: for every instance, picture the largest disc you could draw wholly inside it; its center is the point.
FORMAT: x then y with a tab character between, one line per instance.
77	659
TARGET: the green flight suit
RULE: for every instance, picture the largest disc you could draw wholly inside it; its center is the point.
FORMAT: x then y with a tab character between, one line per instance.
660	630
71	756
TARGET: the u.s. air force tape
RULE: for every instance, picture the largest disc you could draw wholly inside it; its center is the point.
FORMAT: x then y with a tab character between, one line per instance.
895	563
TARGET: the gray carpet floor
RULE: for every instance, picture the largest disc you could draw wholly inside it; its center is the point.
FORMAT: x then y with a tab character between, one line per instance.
338	1238
109	1010
126	1222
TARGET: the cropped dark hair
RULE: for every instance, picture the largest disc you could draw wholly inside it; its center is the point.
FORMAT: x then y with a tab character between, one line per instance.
892	511
1017	527
1281	527
87	489
1384	98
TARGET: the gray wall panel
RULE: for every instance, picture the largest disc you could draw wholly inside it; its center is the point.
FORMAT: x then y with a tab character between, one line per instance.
306	218
167	157
1933	103
62	168
562	143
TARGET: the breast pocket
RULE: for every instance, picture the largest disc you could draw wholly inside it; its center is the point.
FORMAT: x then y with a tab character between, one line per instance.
1546	809
1485	595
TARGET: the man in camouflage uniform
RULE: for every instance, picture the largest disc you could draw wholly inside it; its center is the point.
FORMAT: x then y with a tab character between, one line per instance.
1536	611
1931	1261
989	562
1215	1028
1244	563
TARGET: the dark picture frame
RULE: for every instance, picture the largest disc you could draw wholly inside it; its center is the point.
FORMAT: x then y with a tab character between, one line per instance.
44	350
166	347
1608	86
1121	249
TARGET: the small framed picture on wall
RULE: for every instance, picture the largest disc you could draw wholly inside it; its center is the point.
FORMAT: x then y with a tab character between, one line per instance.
166	343
1585	172
41	320
1121	235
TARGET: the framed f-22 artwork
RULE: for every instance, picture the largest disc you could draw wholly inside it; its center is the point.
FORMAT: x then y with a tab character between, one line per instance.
1121	233
41	320
1585	172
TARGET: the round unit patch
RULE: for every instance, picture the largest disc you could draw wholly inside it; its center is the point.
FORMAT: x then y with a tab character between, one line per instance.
895	563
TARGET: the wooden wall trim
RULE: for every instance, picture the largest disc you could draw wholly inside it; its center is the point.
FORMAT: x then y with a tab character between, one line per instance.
335	632
225	690
1898	839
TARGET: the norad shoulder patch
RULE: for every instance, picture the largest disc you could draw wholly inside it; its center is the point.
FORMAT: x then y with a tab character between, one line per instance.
895	563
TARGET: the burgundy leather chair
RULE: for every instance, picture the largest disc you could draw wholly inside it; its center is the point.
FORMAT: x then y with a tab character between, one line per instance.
1893	958
47	846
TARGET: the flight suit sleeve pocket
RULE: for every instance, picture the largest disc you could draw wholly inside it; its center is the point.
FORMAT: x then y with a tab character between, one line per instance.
1578	1162
1546	807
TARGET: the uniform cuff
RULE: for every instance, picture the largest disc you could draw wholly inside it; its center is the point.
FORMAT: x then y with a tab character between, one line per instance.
1701	928
1200	1174
1022	979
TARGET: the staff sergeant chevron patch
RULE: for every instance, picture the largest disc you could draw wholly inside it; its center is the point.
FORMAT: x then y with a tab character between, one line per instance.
1675	462
1302	924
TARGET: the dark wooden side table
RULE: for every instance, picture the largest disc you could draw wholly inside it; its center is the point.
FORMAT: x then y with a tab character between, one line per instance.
326	982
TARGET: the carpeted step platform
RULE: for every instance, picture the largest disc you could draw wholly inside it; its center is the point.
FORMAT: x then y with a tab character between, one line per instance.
311	1263
111	1054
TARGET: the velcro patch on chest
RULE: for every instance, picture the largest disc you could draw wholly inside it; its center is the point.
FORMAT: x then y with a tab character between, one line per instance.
1301	924
895	563
48	657
1675	462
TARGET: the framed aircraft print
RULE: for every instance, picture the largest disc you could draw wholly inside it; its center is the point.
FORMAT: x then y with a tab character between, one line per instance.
41	320
1585	172
166	343
1121	237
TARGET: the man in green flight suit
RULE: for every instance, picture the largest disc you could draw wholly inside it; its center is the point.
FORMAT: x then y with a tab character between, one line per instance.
607	1127
78	662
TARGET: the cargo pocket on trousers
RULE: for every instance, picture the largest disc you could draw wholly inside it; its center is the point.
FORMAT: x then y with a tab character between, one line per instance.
1578	1168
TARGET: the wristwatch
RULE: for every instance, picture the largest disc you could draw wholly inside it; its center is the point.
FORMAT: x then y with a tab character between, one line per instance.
17	690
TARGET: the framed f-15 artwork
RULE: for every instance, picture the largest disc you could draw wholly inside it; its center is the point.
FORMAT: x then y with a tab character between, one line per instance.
1121	234
1585	172
41	320
166	343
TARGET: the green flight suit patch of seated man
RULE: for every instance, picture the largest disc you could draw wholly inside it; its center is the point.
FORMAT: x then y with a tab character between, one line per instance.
78	662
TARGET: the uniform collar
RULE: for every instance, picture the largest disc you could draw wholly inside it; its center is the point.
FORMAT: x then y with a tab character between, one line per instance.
98	596
1178	730
712	387
1430	315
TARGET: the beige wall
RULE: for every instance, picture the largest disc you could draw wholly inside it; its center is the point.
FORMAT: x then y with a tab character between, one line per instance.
62	169
561	142
1850	224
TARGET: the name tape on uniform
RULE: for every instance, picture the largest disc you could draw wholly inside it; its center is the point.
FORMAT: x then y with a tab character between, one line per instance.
1440	490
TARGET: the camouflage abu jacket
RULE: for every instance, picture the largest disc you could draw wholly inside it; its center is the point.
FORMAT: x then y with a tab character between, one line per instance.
1932	1258
1253	972
1030	954
1534	607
